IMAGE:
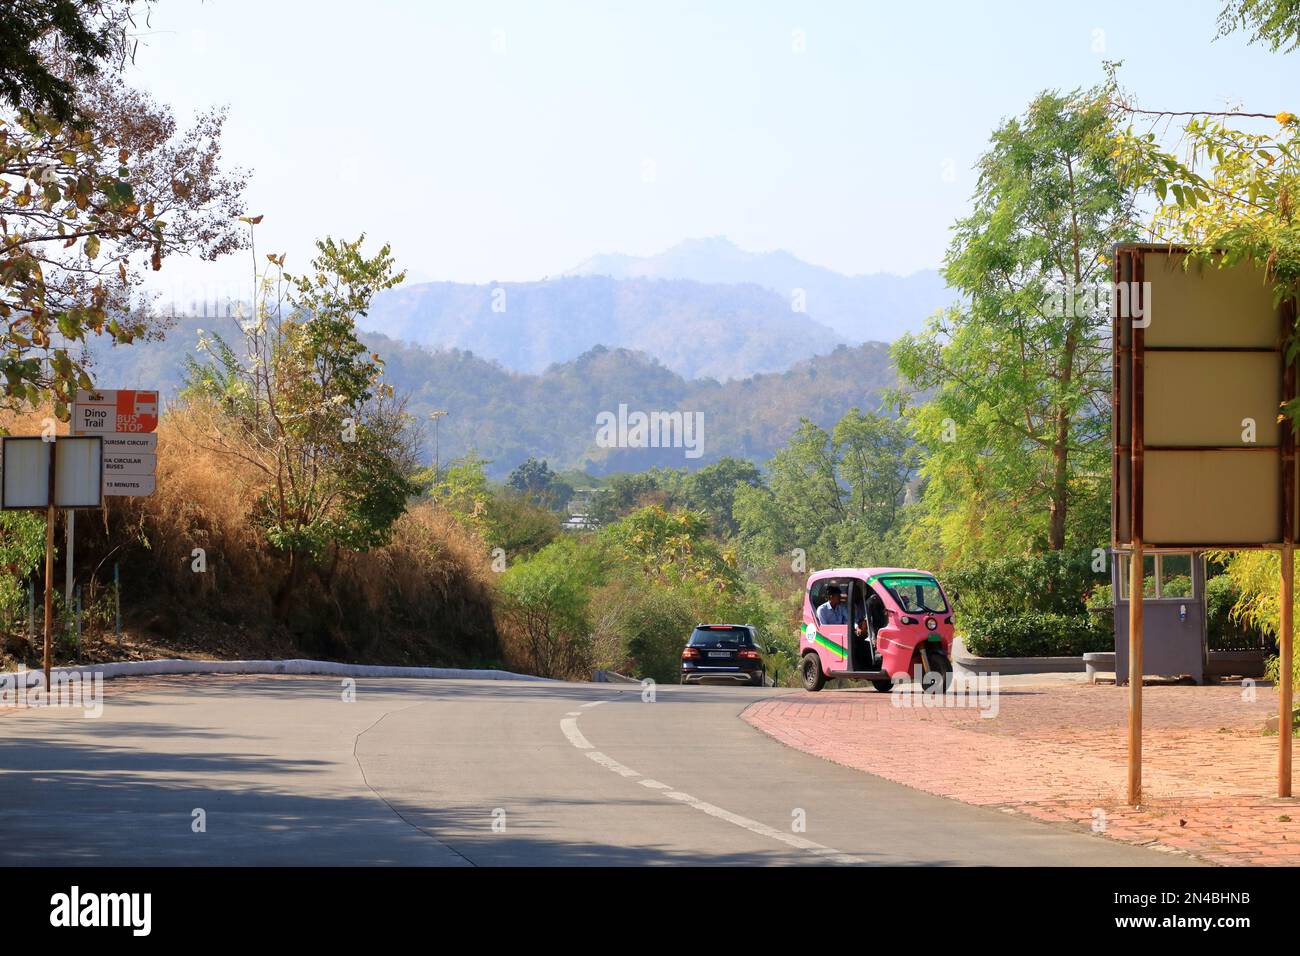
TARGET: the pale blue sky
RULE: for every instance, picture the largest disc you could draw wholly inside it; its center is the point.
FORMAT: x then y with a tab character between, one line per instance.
511	140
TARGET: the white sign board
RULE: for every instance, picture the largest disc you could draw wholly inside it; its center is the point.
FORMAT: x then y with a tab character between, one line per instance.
140	444
126	463
114	411
78	472
126	419
128	486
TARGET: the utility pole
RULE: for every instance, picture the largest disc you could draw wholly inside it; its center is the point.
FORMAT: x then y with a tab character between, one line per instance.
437	415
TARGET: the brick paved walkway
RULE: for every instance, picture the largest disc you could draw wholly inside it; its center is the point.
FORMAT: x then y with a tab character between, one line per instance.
1058	752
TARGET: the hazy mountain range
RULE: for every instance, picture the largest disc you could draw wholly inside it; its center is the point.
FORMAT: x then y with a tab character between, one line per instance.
862	308
506	416
525	368
695	329
704	308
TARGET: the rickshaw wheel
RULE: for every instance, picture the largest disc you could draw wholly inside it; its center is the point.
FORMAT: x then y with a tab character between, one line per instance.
936	663
814	679
884	686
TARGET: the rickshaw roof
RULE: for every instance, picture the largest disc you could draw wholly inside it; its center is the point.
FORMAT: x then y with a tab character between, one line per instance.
863	573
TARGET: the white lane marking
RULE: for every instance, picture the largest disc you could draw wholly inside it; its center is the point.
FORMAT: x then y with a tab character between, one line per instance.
574	713
596	703
569	725
610	763
762	829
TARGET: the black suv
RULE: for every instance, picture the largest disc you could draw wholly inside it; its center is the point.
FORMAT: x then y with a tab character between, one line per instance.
723	652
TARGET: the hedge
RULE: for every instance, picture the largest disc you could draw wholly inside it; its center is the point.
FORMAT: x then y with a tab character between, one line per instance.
1038	634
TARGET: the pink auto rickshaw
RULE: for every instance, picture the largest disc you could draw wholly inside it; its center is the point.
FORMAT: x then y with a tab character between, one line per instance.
898	623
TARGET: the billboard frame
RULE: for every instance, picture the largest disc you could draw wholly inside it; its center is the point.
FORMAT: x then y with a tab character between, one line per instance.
1128	478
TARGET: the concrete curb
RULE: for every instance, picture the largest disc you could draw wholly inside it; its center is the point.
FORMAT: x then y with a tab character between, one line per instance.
305	667
963	661
601	676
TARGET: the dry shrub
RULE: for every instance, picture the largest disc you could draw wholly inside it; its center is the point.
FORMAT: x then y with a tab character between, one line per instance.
203	499
424	598
431	582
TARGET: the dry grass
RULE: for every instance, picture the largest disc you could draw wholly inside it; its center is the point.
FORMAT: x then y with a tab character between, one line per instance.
424	598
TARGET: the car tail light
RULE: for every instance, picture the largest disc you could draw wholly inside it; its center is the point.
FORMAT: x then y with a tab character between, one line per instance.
751	655
690	654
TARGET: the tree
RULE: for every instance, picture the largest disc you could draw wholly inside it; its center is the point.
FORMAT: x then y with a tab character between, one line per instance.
877	460
713	488
545	603
82	207
669	548
622	493
47	46
534	479
837	495
1275	22
1017	427
305	405
1231	198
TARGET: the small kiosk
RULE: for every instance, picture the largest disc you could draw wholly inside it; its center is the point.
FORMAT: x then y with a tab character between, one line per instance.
1174	618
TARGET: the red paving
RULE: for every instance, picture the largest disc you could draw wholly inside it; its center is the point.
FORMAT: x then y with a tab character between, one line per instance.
1058	752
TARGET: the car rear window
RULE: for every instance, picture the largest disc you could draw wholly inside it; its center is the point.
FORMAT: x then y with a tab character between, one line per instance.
719	636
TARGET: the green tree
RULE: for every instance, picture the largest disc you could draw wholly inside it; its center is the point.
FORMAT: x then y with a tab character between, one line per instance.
1275	22
306	406
534	479
1227	193
836	494
713	489
84	206
545	603
48	46
622	493
1016	429
22	547
877	459
671	548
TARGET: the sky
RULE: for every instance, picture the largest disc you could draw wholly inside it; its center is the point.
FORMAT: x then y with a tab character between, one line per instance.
509	141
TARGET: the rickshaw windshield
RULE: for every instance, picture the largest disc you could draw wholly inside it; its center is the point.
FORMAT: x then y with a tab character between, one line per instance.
915	593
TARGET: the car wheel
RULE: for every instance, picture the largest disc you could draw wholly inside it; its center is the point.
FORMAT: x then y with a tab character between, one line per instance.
762	679
814	679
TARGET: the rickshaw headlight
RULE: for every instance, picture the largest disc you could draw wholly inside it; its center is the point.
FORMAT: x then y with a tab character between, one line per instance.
931	624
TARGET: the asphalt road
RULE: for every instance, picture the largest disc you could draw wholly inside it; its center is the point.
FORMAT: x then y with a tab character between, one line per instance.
282	770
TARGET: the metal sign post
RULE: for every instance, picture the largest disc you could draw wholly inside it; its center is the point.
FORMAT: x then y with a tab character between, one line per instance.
1286	600
126	419
49	570
47	473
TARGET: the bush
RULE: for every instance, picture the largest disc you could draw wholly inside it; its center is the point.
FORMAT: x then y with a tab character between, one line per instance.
1225	632
544	608
1039	634
1049	583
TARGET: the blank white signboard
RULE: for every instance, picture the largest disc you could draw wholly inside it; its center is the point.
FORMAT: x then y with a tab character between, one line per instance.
26	472
78	478
78	472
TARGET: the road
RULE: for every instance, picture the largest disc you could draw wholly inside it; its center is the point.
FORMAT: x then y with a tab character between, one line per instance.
283	770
